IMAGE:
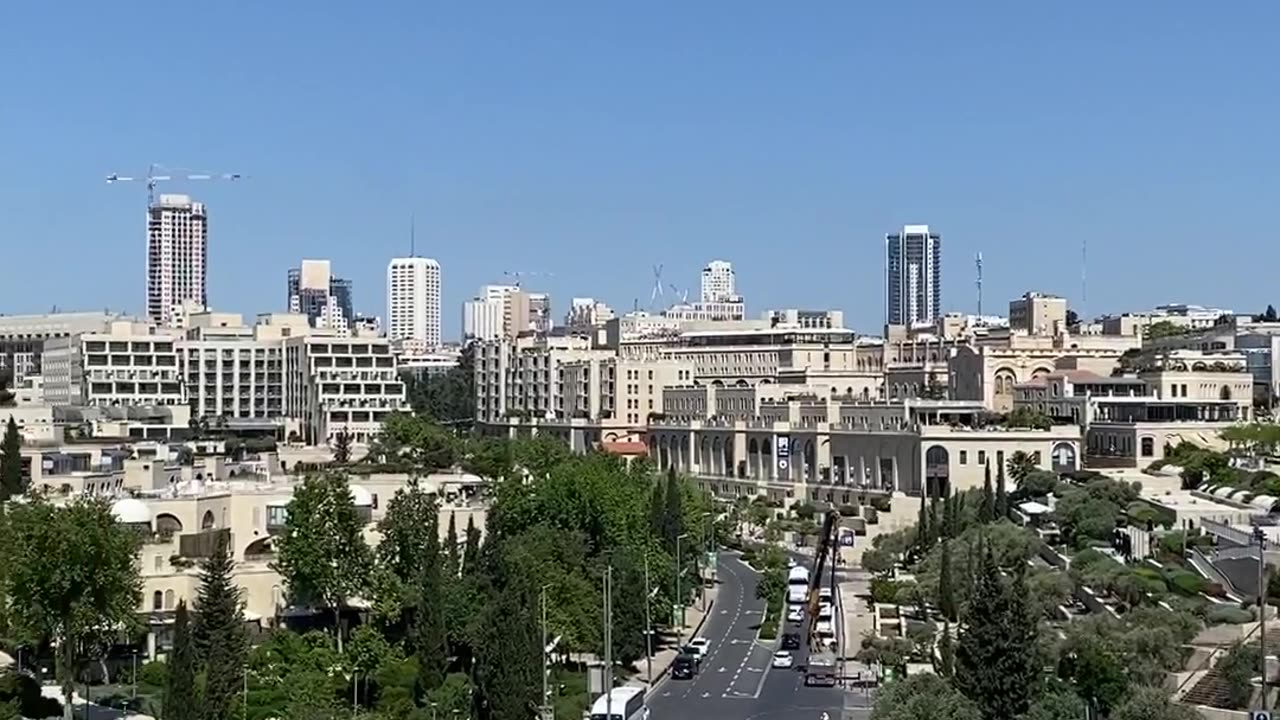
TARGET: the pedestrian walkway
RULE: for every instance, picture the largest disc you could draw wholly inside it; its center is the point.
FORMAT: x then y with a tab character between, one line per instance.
668	646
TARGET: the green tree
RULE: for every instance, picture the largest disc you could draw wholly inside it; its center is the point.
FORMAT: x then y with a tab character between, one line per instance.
509	657
410	537
11	484
1146	703
71	580
1002	496
342	447
180	701
987	510
448	399
1020	464
322	555
996	664
220	633
946	652
1037	483
673	515
429	636
1056	704
1162	329
923	696
452	555
946	592
471	546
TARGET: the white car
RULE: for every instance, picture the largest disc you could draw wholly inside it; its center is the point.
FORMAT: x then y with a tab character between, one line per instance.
701	646
825	629
795	614
783	659
825	611
824	594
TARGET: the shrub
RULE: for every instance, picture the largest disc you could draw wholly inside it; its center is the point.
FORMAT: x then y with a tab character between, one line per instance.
1227	615
154	674
1186	582
884	590
882	504
848	510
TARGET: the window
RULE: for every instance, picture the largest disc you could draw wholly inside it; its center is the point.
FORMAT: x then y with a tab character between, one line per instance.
157	600
168	599
964	457
1148	447
982	457
999	458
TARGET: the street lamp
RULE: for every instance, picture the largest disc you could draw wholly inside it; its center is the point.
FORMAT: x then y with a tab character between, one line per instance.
679	571
1261	538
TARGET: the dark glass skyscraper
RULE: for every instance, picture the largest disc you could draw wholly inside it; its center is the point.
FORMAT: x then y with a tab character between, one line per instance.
913	276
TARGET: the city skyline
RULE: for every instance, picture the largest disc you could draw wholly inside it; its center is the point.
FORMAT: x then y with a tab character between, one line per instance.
795	181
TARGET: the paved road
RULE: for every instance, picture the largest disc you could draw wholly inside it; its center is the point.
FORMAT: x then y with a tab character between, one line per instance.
737	681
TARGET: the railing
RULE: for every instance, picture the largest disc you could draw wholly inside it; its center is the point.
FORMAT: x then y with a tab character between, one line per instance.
1226	532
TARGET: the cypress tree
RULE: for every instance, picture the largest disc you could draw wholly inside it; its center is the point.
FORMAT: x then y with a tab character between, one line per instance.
220	634
11	462
1002	497
946	652
946	591
987	510
452	560
922	529
429	635
179	693
995	656
673	514
471	548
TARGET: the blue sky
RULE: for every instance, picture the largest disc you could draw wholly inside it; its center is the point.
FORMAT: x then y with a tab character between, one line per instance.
593	140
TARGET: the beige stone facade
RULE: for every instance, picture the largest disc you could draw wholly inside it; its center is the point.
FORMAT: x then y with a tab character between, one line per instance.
1038	314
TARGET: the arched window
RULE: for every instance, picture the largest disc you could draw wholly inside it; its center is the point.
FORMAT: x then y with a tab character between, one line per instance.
208	521
1148	447
168	599
157	600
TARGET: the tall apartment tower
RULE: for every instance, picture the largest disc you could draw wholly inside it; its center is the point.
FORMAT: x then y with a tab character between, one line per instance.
325	299
177	256
413	300
718	284
913	276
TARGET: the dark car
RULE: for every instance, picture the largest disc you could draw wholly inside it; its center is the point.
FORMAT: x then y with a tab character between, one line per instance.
684	667
791	641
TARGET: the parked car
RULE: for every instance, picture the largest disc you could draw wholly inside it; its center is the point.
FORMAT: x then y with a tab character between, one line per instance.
783	659
795	614
791	641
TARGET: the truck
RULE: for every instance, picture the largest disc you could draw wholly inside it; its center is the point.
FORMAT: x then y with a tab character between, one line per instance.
798	585
821	670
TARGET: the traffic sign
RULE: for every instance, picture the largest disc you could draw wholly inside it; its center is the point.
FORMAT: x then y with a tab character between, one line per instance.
1259	715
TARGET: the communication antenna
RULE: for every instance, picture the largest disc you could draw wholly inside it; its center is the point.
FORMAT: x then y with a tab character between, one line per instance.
657	286
413	247
1084	275
977	262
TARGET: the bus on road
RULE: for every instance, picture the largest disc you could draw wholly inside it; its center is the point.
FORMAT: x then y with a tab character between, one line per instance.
621	703
798	585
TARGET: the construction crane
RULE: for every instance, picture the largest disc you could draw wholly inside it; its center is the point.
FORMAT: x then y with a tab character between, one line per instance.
157	174
518	274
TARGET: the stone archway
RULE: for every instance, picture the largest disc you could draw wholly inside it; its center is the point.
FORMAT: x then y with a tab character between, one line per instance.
937	471
1064	457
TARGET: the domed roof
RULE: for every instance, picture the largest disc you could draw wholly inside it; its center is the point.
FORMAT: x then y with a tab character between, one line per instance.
131	512
363	498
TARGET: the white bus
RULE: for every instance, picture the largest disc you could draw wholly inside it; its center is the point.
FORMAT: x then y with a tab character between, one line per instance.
798	585
622	703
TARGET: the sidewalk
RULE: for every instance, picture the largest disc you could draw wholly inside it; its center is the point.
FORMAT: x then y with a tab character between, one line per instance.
663	656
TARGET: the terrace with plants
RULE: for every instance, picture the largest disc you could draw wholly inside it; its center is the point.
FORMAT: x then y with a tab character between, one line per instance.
1111	626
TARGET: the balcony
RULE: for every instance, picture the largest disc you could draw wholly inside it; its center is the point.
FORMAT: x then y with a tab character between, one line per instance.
201	544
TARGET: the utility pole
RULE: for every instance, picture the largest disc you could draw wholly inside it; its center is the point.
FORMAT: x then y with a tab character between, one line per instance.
1261	537
648	626
679	571
608	642
546	691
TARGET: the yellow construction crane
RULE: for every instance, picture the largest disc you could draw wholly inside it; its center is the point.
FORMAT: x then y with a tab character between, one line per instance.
157	174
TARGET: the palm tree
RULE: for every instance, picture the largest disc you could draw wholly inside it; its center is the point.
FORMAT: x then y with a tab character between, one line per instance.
1020	464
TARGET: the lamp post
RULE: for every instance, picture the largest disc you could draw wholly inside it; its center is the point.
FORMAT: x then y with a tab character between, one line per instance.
1261	538
648	626
546	653
680	571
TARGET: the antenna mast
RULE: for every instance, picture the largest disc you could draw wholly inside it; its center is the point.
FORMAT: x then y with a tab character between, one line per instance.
1084	275
977	262
413	247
